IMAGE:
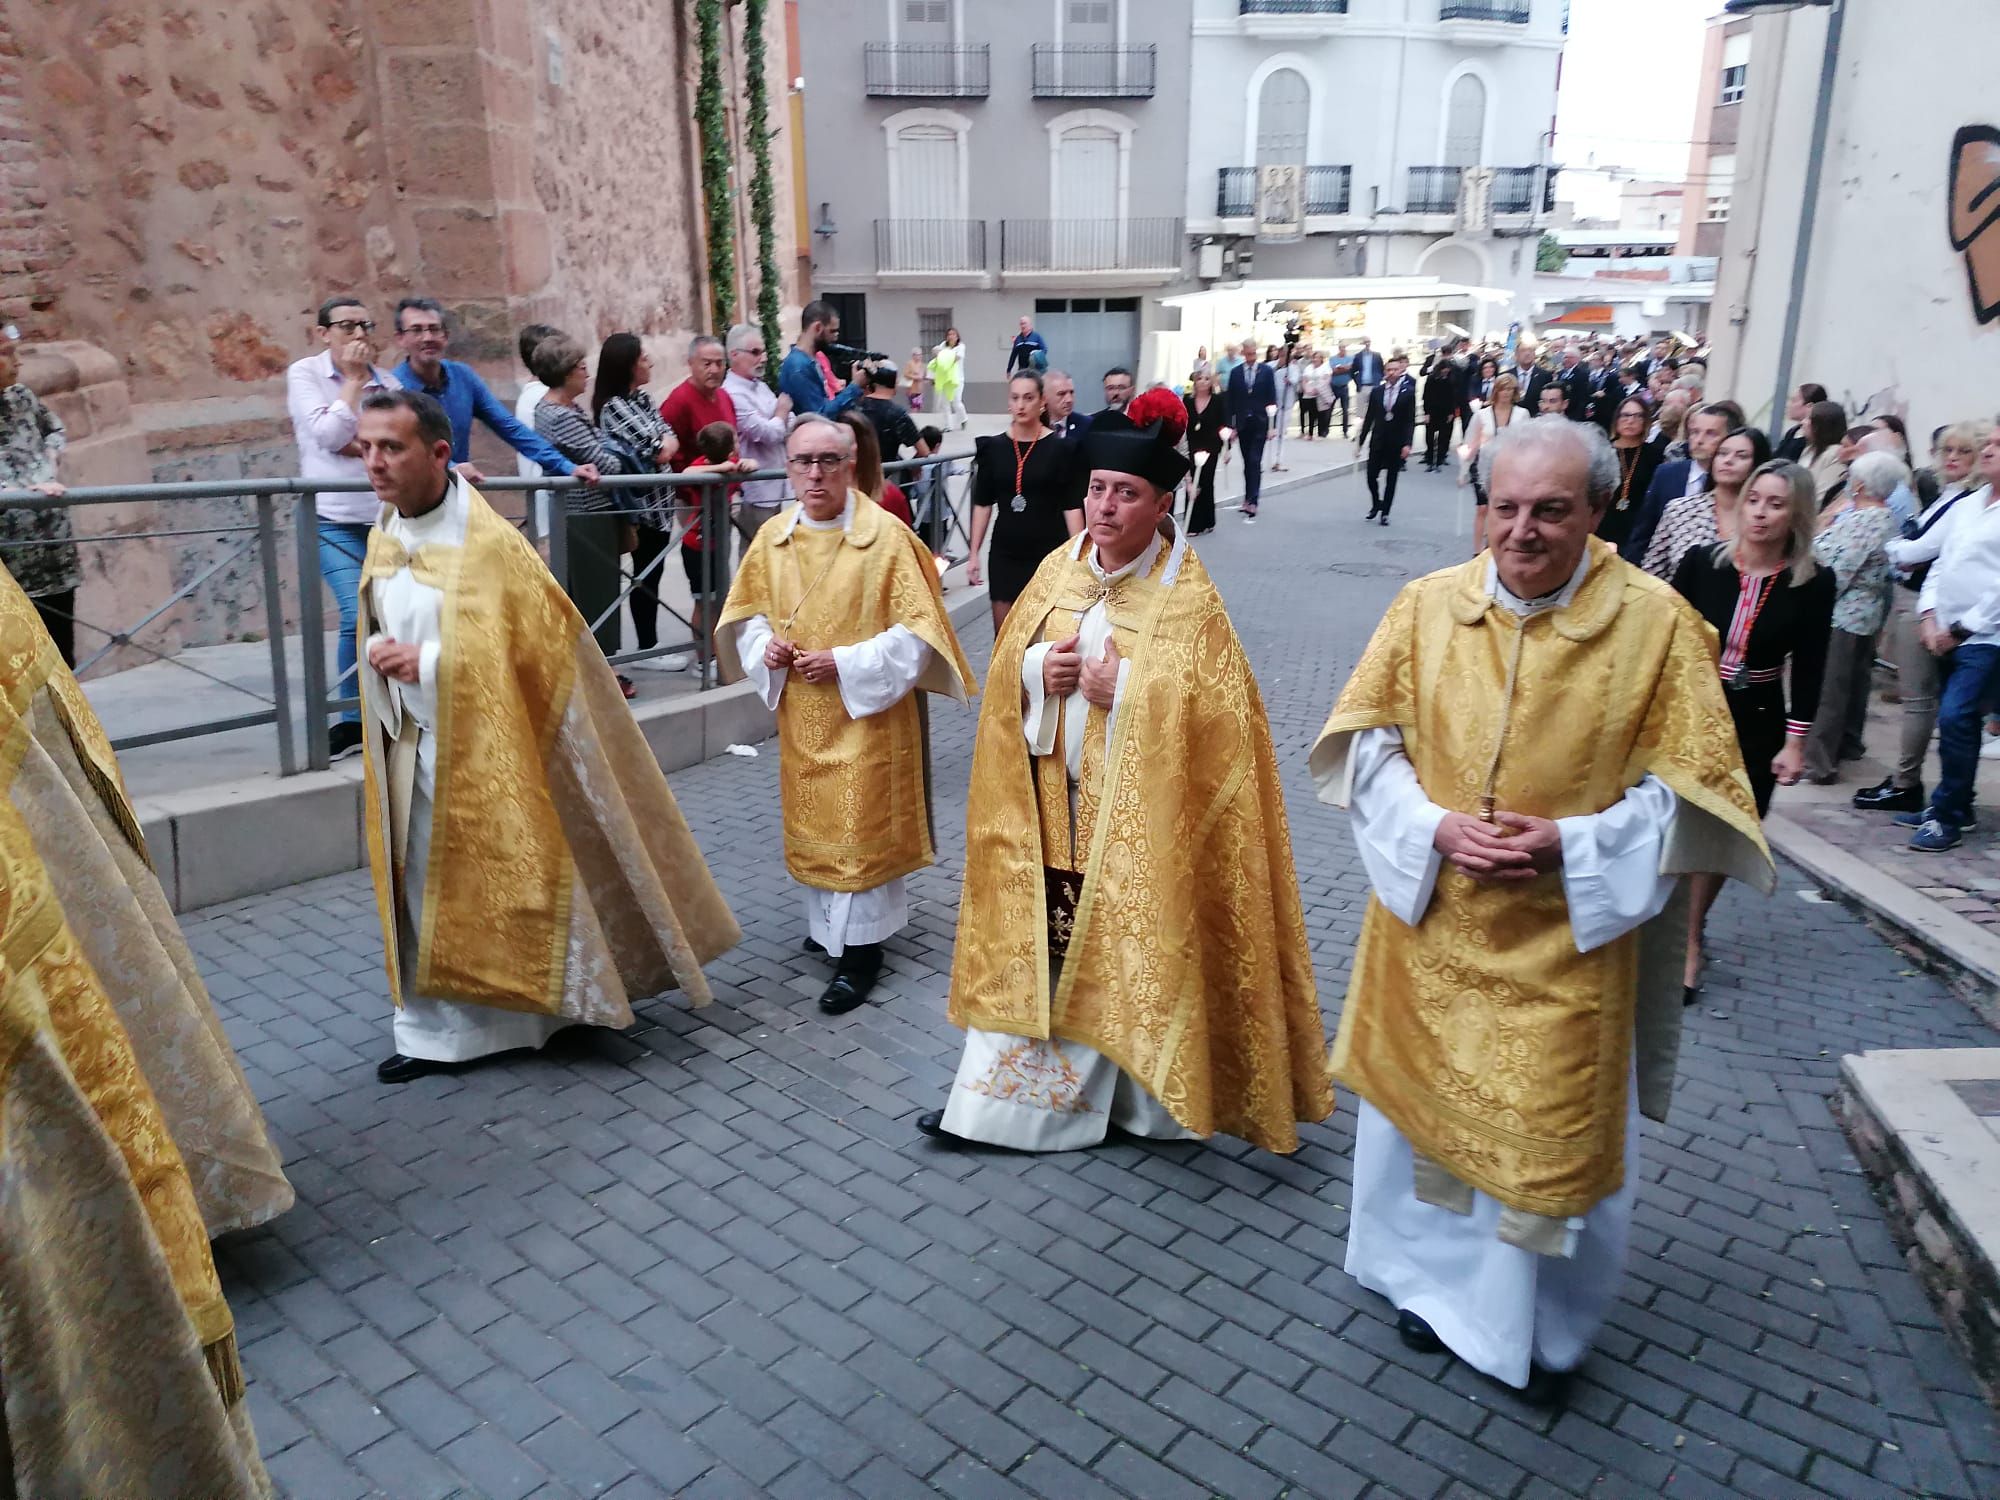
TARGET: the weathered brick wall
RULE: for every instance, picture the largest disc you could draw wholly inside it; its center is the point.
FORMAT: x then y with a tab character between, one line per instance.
27	289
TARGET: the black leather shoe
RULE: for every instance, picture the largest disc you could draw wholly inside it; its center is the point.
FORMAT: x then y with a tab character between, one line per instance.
815	947
1545	1387
860	967
1689	994
1418	1335
342	740
1886	796
932	1125
397	1068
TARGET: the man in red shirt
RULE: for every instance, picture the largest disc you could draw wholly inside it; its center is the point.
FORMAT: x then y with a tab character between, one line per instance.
690	406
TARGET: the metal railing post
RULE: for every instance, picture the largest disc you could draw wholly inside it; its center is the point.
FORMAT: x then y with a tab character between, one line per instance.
312	632
274	625
559	536
714	526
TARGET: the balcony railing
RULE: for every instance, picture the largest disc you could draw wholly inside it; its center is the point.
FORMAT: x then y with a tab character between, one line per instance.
1089	244
1432	190
1328	191
1515	14
1093	71
1291	7
895	71
950	246
1513	190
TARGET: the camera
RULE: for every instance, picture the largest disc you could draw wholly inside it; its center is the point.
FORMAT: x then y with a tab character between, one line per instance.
850	353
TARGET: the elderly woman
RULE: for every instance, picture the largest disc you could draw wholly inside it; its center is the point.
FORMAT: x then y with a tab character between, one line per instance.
1854	533
35	544
592	530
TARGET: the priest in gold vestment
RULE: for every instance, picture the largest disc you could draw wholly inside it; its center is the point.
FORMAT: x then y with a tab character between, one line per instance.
119	1373
532	870
1535	748
63	781
1131	945
836	619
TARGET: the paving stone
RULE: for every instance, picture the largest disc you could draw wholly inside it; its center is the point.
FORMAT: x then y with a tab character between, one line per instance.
723	1224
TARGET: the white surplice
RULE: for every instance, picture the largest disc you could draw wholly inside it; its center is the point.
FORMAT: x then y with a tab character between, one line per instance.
409	612
1497	1306
1051	1095
874	676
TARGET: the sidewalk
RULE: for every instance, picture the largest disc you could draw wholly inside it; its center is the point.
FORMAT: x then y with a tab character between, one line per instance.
1946	905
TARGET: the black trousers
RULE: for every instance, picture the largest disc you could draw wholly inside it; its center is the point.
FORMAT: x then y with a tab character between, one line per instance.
57	611
593	574
1201	514
1381	490
1437	437
644	600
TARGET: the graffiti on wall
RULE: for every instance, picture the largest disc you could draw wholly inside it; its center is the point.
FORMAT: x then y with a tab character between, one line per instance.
1975	214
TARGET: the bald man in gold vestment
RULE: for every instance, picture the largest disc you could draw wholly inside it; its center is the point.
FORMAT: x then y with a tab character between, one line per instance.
1536	748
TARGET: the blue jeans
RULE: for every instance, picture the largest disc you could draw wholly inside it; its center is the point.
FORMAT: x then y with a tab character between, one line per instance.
342	546
1968	679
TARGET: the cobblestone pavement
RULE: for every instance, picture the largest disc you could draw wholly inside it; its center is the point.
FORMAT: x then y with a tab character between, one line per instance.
712	1258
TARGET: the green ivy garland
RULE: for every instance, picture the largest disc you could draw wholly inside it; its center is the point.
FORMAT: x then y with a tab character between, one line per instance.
714	127
762	195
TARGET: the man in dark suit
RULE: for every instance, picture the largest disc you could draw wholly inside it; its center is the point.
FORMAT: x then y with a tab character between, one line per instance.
1530	376
1059	402
1443	382
1574	377
1252	397
1388	427
1607	391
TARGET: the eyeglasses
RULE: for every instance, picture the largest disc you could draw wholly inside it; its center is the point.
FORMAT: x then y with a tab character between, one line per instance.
352	325
824	463
422	328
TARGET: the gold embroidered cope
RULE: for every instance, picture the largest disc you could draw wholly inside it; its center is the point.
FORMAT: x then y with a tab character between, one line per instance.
1498	1050
555	842
1188	963
855	792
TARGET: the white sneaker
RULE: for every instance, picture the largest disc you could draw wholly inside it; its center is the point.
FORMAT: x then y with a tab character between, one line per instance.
1991	749
680	661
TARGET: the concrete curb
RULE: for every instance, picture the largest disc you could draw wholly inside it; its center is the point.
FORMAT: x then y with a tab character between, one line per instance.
1965	953
243	838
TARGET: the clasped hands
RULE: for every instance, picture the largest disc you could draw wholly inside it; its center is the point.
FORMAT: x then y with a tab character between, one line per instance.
396	661
1511	848
813	666
1064	671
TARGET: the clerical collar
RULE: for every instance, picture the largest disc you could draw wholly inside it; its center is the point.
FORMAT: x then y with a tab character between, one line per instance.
1560	599
838	523
1142	561
436	522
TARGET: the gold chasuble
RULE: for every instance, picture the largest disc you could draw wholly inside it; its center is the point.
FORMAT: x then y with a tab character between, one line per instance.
1187	962
118	1363
562	878
1500	1052
62	780
855	792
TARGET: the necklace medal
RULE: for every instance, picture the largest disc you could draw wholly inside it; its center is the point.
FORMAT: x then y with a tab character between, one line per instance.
1018	504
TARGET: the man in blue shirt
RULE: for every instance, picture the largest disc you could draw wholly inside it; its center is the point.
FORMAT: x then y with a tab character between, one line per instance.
421	331
1029	351
800	376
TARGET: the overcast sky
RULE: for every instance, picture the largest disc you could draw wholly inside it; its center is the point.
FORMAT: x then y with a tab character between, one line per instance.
1629	78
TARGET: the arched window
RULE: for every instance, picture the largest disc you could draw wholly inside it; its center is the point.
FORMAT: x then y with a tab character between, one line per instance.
1284	111
928	216
1465	123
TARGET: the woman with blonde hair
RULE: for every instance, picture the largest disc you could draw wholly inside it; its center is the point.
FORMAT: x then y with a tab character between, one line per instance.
1772	606
1501	408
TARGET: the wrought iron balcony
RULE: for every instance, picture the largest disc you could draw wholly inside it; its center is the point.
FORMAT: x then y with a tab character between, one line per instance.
1512	14
1065	70
1090	244
1291	7
1513	190
1432	190
953	247
1328	191
892	70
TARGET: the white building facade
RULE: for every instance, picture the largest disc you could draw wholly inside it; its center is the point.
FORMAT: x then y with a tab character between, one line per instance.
1423	128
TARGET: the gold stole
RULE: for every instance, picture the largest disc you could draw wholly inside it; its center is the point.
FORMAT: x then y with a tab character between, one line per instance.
1497	1049
856	815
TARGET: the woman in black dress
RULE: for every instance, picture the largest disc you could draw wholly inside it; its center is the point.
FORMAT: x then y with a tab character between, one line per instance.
1026	478
1772	607
1206	413
1637	459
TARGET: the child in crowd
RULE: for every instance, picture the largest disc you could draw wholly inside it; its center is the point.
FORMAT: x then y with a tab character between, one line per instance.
715	448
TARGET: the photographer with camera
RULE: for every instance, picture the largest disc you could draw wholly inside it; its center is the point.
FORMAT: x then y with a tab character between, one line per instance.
800	375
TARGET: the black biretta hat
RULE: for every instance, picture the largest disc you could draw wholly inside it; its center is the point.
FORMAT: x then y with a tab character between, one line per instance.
1117	443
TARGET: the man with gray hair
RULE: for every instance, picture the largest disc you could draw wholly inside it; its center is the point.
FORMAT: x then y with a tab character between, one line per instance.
761	415
1527	747
837	621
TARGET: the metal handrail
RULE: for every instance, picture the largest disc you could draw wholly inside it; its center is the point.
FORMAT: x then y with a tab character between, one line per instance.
939	512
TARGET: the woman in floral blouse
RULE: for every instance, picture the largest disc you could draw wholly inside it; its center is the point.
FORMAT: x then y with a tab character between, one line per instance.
35	544
1853	545
1699	520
